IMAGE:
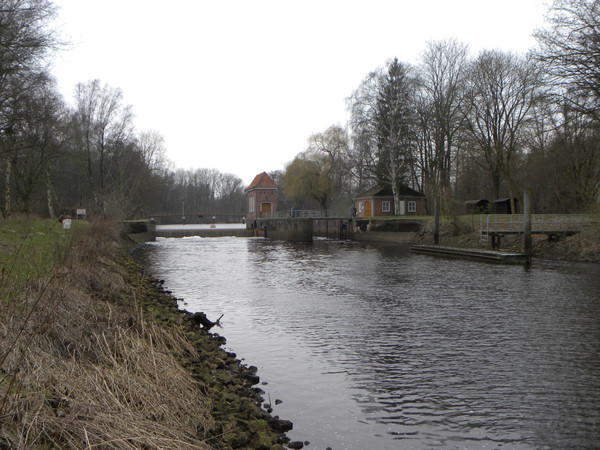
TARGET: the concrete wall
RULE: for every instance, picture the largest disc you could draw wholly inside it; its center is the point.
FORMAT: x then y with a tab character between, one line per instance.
333	228
287	229
393	230
140	230
303	229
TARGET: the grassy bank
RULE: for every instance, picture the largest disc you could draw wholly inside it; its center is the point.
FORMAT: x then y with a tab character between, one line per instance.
463	231
95	354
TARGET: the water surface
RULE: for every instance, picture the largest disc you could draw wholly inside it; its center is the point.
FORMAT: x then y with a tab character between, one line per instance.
373	347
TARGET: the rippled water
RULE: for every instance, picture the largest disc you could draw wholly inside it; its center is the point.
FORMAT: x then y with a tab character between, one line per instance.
373	347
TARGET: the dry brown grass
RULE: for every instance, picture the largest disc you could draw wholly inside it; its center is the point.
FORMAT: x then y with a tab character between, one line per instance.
80	367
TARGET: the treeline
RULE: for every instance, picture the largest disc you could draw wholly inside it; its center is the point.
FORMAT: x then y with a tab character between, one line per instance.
453	126
462	127
56	157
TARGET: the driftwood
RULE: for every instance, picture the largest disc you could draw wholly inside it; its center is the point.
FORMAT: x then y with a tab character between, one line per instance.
200	319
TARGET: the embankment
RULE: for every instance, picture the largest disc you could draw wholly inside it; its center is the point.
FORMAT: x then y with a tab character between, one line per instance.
96	354
581	247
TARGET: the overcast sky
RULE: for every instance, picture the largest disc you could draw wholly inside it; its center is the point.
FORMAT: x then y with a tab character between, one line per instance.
240	85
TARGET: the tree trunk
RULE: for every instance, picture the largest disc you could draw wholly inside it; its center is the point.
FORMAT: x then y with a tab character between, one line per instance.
6	212
49	190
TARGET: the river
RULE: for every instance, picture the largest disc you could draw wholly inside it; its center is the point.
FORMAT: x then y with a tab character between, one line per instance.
372	347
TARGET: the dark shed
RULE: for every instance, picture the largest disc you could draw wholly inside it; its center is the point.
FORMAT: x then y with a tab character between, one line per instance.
480	206
502	206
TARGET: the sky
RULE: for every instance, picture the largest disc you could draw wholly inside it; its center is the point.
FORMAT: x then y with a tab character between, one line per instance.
241	85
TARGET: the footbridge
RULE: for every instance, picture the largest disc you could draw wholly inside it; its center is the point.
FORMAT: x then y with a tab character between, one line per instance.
200	217
553	225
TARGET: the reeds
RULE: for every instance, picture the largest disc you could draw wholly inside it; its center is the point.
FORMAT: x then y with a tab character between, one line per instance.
80	367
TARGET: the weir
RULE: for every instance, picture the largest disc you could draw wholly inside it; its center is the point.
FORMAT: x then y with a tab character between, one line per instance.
203	232
303	229
298	229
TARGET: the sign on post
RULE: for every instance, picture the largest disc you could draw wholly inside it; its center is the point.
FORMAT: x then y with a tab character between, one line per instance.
66	224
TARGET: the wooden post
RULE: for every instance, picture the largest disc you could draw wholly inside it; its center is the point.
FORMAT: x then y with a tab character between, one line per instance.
436	220
527	222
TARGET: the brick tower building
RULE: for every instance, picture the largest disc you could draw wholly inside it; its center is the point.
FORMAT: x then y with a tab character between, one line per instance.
262	199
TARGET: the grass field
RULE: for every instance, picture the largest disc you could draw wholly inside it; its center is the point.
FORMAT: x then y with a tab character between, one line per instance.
29	248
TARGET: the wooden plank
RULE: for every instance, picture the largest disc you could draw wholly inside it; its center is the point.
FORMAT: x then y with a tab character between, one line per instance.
476	254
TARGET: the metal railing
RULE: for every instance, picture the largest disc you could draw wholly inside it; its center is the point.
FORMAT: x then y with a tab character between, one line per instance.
540	223
307	213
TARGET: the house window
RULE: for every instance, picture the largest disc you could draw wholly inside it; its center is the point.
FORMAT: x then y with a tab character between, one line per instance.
385	207
251	204
361	206
412	207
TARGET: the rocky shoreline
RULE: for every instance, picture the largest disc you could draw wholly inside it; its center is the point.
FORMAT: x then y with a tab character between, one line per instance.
240	420
95	353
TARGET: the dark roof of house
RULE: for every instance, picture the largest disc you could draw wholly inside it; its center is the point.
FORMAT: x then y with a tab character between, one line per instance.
262	181
386	191
475	202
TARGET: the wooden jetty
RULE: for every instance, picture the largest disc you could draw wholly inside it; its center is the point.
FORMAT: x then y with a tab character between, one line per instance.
475	254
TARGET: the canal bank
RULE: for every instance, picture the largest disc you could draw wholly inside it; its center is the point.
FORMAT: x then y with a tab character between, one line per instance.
232	386
581	247
111	359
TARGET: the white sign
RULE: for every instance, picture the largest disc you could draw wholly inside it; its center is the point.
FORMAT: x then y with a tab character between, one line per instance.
81	212
66	224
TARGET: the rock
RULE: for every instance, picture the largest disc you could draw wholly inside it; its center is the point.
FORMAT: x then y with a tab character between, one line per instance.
279	425
278	402
295	444
250	378
219	339
261	438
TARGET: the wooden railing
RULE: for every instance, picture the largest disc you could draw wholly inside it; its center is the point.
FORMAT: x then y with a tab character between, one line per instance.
540	223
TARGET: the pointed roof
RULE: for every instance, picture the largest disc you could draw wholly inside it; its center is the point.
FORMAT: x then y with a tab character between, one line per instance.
386	191
262	181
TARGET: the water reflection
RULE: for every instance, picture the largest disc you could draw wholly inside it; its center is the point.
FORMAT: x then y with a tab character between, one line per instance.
372	347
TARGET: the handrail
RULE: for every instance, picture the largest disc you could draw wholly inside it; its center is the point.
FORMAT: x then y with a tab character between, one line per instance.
540	223
310	213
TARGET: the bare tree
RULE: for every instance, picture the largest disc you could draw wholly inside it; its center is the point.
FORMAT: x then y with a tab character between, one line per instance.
570	49
502	91
25	42
575	153
100	123
362	154
442	74
36	144
152	146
